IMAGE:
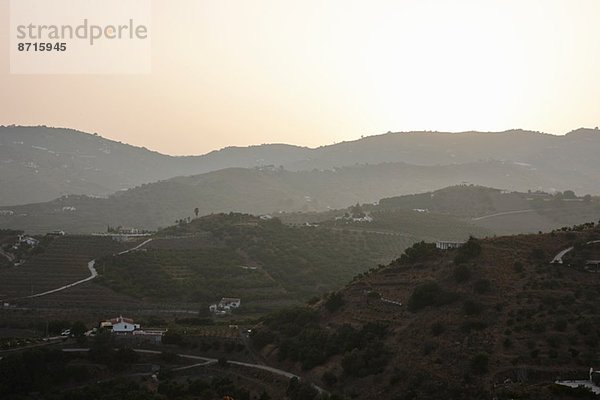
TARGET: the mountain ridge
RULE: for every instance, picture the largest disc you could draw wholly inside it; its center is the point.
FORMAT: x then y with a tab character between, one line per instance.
41	163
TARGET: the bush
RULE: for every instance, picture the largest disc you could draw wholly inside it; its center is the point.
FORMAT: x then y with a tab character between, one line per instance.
482	286
479	363
462	273
420	251
329	378
368	361
261	338
472	308
469	250
437	328
584	327
560	324
538	254
473	325
429	294
518	267
334	302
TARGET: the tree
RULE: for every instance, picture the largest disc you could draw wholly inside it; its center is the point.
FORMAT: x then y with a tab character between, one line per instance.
78	329
196	211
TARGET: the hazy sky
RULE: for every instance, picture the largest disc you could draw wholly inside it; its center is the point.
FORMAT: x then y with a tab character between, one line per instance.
313	72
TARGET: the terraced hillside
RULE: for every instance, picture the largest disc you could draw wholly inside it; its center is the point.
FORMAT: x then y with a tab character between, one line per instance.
266	263
492	320
500	211
64	261
457	211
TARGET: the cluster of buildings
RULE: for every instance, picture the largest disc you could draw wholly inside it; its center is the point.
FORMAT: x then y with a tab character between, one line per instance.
25	239
355	218
225	306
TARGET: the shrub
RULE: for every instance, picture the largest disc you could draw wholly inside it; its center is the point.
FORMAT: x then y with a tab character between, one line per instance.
368	361
538	254
482	286
560	324
584	327
472	308
518	267
462	273
473	325
329	378
334	302
420	251
469	250
480	363
262	337
437	328
534	354
554	341
429	294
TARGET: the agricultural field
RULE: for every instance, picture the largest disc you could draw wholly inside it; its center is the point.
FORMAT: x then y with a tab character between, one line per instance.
62	262
266	263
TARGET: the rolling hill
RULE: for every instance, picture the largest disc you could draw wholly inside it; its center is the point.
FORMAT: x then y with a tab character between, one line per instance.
256	191
266	263
41	163
493	319
485	210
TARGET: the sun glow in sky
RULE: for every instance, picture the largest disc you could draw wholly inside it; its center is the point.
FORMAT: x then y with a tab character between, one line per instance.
314	72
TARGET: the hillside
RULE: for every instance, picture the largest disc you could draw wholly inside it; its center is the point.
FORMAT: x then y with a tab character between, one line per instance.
59	261
41	163
500	211
257	191
492	319
452	211
267	264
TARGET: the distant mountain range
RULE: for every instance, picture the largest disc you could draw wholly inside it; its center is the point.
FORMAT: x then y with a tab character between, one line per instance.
41	163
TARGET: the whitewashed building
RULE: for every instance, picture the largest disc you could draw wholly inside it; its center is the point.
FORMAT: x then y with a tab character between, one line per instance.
226	305
446	245
120	325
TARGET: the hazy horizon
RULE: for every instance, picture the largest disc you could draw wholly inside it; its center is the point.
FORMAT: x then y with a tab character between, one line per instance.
314	73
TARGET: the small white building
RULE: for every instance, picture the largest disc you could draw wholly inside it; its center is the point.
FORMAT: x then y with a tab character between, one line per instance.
226	305
120	325
446	245
28	240
230	302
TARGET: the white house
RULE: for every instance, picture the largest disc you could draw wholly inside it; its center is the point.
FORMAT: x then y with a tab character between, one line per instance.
446	245
120	325
228	303
28	240
225	305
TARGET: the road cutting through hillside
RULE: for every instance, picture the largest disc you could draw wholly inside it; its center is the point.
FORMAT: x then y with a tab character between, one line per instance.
501	214
205	361
558	259
93	275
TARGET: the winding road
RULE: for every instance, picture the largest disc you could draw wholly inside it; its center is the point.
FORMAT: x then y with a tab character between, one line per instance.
93	275
501	214
6	255
558	259
210	361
